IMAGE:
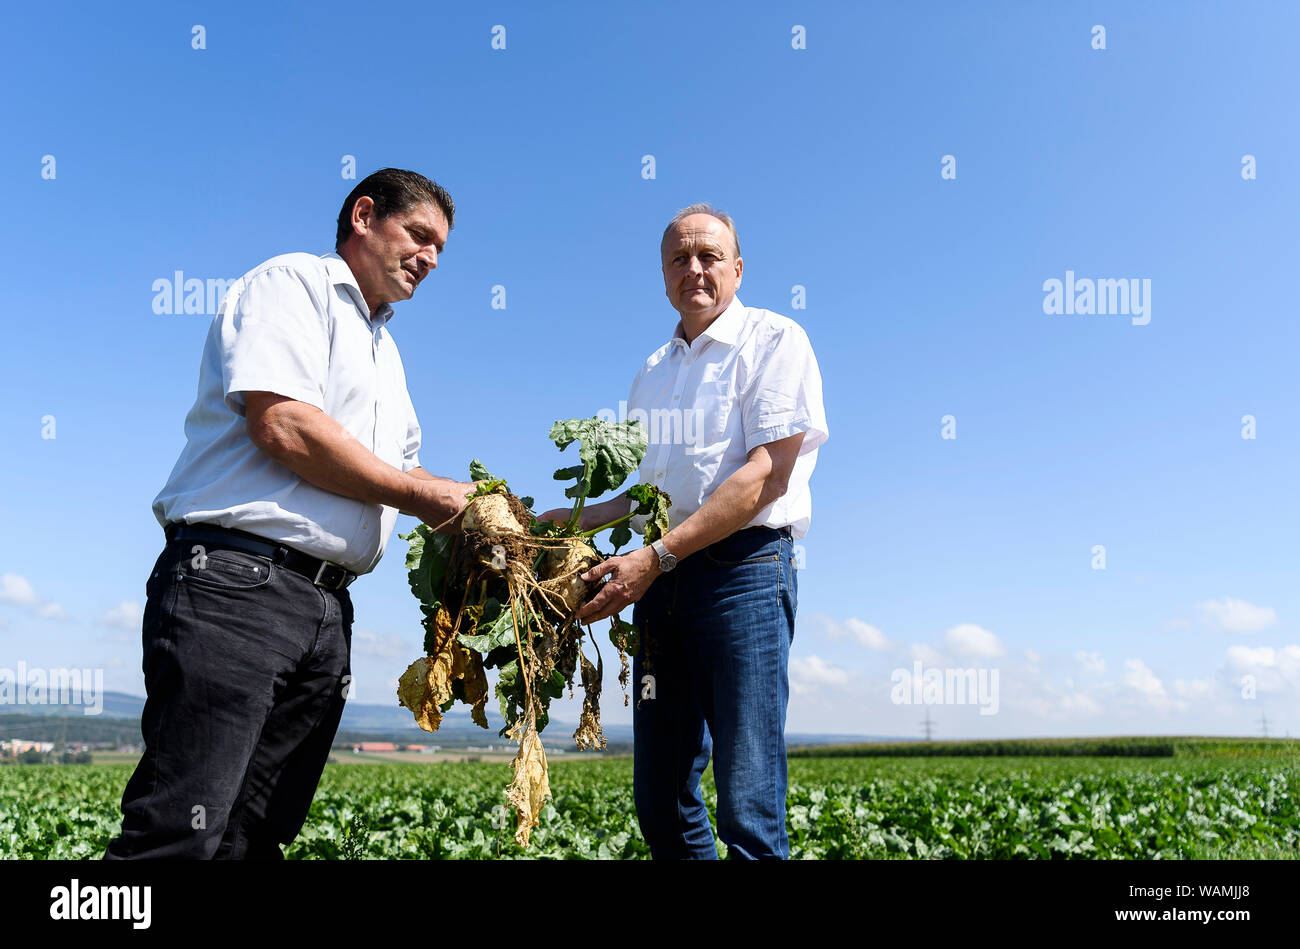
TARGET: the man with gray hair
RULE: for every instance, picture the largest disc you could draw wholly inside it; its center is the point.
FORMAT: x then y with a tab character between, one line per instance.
716	595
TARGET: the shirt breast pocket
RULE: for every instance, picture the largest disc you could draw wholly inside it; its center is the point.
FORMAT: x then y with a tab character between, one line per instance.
710	416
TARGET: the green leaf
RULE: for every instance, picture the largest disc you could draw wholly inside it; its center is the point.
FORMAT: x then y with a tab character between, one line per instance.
654	503
478	471
495	629
620	535
509	692
610	451
428	555
554	687
624	636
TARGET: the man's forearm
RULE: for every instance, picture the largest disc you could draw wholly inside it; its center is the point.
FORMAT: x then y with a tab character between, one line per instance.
315	447
597	515
727	510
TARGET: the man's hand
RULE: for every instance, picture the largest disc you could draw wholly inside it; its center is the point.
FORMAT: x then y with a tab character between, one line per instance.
630	575
558	515
593	515
439	500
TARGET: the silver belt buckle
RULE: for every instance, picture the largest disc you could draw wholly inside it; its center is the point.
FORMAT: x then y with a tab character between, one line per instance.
321	569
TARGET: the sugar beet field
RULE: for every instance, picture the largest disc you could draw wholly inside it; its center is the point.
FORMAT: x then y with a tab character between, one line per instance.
1222	804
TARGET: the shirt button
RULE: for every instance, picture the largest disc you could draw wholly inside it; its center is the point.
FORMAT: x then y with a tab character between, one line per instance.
676	397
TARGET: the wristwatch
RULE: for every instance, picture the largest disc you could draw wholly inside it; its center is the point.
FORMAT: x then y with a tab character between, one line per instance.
666	560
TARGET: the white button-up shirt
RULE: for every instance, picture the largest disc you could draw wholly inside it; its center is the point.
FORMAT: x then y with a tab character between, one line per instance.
750	378
297	326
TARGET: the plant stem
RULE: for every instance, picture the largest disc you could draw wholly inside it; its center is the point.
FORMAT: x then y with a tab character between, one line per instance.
615	523
577	514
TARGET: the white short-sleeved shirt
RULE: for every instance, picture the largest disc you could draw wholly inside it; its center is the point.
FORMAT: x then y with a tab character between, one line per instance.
750	378
297	326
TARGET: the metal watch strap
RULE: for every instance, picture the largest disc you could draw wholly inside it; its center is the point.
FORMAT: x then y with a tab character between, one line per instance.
667	561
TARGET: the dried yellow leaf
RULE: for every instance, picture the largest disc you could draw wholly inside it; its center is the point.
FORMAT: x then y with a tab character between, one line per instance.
589	735
530	788
426	684
415	691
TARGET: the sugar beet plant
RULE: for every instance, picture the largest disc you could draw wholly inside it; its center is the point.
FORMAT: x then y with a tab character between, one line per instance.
503	593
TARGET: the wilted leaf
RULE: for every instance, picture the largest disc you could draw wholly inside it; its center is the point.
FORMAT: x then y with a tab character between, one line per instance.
589	736
427	687
531	787
476	689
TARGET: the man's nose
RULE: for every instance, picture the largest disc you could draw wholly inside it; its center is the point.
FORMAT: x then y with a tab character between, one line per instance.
428	259
694	265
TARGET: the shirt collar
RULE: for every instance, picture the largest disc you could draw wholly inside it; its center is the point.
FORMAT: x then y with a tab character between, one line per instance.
341	276
725	327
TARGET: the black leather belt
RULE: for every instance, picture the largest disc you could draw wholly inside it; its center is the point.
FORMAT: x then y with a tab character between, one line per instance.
329	576
785	532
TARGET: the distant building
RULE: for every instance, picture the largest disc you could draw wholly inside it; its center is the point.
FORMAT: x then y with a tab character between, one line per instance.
373	746
12	747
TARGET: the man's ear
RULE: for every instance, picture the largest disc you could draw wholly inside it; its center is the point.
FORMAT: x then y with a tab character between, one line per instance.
363	212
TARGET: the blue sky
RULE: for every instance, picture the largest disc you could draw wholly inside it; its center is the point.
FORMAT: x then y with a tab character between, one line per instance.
924	298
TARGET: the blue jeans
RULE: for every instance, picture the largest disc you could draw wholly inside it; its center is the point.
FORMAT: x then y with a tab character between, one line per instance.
711	677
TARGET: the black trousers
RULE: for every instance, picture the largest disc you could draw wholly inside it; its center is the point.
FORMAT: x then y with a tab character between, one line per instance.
246	667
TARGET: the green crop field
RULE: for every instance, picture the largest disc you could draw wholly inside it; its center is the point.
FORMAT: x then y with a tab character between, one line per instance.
839	808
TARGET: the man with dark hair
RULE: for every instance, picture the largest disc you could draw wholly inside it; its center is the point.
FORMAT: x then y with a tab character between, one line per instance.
302	447
393	190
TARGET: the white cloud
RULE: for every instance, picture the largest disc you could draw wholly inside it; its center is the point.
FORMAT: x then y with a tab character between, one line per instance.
1138	677
928	655
1237	616
864	634
813	673
17	590
1033	657
1266	670
1246	657
1091	661
1195	690
126	615
967	639
1081	703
